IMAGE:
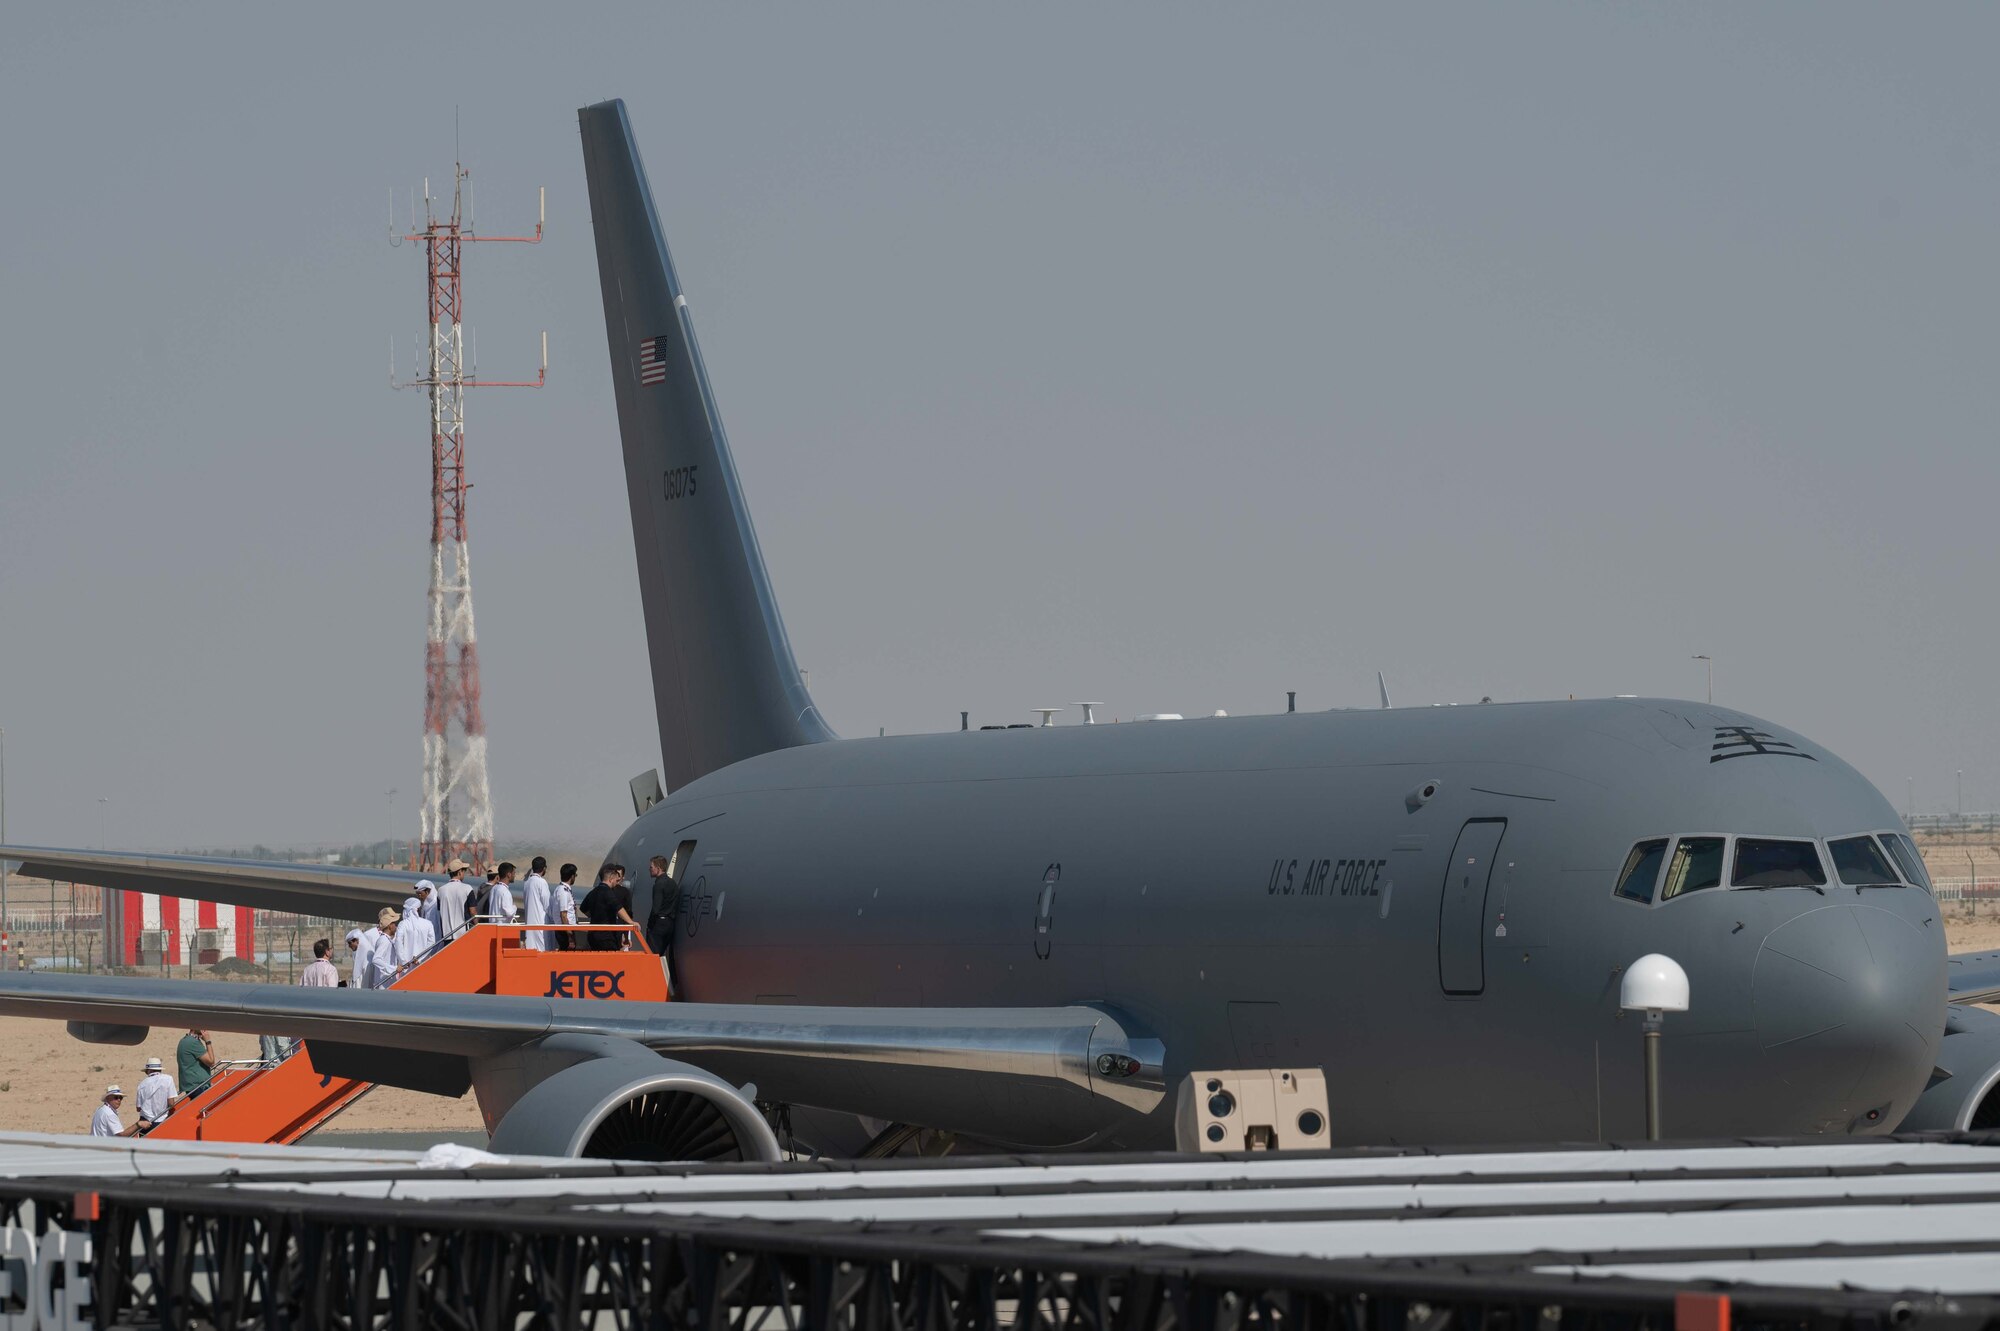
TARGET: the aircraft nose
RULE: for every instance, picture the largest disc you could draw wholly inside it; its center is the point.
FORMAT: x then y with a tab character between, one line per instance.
1849	1009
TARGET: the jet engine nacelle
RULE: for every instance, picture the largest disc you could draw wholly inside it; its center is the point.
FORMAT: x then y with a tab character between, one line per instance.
640	1107
1967	1097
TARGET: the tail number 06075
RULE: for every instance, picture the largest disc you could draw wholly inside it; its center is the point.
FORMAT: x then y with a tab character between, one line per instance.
680	483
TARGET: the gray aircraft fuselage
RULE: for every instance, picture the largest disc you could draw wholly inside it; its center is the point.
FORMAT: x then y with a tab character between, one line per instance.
1274	891
1250	891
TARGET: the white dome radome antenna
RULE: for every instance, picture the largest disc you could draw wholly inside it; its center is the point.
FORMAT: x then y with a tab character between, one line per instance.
1089	717
1655	985
1048	714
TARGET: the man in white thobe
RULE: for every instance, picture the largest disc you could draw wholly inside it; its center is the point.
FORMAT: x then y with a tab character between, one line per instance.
414	937
422	901
104	1123
361	943
535	901
380	970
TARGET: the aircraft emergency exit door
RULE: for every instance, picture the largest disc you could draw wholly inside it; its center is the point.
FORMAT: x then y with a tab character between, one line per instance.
1462	908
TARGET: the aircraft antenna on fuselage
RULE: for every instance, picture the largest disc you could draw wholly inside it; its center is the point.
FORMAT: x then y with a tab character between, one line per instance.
725	682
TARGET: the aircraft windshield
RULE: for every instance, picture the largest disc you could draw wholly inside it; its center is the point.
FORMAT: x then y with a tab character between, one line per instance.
1907	856
1763	863
1697	864
1884	859
1861	863
1642	870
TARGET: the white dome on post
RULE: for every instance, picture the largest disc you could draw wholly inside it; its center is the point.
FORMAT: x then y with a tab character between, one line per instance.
1654	983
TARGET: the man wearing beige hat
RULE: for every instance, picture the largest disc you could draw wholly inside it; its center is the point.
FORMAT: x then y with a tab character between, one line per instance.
104	1123
156	1094
379	970
451	899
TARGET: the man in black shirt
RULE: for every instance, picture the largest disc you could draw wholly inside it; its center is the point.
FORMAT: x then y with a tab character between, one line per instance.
666	907
610	902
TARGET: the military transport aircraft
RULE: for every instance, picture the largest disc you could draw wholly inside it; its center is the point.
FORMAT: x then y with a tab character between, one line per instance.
1026	936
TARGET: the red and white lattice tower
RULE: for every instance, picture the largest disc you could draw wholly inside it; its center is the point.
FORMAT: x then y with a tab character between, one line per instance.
456	813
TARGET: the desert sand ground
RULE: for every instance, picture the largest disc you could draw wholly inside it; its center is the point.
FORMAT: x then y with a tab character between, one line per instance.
51	1083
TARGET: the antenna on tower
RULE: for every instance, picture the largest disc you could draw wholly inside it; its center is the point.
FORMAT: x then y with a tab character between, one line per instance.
454	745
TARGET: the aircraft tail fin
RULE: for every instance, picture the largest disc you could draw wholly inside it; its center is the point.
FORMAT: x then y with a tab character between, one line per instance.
724	680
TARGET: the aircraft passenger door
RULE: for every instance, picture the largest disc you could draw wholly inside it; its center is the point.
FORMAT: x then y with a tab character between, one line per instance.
1462	909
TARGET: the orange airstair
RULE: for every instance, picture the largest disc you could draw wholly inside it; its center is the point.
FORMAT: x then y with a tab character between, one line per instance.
283	1101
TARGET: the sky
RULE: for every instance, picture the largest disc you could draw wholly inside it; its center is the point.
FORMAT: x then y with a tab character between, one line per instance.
1172	356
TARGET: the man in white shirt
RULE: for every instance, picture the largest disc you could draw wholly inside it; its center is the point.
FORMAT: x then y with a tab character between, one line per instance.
451	899
535	901
380	969
321	973
156	1094
361	942
104	1123
500	902
562	907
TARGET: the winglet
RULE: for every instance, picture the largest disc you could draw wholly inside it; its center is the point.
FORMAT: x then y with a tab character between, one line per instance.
1383	685
725	683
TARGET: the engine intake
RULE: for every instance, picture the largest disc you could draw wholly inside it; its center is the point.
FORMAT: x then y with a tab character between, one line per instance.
1964	1091
642	1108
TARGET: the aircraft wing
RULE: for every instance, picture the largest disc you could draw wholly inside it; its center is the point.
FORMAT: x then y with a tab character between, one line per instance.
329	890
1973	977
976	1070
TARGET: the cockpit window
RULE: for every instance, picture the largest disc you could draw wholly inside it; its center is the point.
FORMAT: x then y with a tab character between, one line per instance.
1642	870
1861	863
1907	856
1697	863
1761	863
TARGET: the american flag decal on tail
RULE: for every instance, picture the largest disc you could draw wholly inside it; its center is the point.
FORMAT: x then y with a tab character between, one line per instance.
653	361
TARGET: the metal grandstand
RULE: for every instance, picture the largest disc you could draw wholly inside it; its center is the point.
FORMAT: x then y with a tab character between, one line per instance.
1884	1232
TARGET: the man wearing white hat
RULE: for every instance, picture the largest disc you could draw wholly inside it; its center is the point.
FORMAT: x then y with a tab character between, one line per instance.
422	902
156	1093
104	1123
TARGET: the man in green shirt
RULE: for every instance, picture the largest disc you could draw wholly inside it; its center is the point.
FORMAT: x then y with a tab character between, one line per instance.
196	1055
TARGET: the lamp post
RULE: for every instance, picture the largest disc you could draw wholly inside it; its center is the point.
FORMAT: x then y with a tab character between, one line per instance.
390	797
1654	985
104	822
1711	672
